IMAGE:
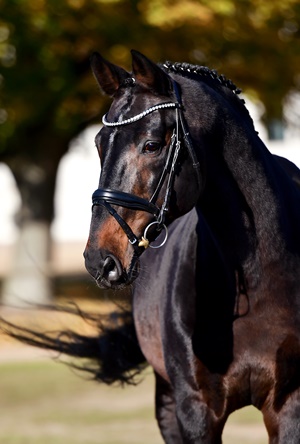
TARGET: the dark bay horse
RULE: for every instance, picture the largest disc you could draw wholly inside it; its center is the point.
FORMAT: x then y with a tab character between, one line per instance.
221	332
216	307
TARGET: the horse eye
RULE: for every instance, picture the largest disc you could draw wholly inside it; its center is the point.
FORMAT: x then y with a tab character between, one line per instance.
151	147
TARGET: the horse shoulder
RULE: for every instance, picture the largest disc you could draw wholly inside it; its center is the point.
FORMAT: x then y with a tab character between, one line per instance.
147	312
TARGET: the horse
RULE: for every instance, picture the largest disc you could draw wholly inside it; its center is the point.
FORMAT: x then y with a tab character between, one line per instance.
197	217
221	323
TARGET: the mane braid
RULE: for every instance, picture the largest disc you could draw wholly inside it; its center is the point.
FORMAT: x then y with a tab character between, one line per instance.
202	71
205	73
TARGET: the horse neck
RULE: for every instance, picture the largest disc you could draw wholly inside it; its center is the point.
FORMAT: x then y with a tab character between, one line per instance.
242	199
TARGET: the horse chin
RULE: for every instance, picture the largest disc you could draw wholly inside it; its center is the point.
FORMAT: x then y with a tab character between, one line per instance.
105	285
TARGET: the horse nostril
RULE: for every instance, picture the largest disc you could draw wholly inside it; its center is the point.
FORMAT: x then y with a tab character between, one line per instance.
112	269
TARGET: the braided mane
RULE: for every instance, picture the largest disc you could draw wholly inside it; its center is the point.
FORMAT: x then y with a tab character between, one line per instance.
211	75
202	71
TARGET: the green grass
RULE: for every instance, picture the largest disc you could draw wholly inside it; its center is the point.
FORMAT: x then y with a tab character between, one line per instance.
43	402
245	427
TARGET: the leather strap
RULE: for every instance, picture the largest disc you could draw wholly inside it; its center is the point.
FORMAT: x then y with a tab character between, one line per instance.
122	199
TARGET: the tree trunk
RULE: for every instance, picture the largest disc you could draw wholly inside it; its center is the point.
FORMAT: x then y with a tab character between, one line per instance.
275	129
29	281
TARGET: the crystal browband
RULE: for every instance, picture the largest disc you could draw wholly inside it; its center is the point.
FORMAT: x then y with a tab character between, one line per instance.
141	115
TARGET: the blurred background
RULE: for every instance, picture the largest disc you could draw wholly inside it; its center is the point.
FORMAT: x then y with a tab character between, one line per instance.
50	109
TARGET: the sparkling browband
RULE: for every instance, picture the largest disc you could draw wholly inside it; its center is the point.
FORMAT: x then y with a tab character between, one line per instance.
141	115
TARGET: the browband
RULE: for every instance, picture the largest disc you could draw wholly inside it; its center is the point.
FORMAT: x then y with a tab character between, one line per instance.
141	115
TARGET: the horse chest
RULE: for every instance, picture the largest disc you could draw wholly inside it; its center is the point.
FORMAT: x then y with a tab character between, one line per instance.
147	324
262	354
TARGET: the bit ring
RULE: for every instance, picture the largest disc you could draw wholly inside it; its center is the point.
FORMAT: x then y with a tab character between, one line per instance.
166	235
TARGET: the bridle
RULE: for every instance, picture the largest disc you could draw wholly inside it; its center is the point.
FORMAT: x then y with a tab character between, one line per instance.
106	197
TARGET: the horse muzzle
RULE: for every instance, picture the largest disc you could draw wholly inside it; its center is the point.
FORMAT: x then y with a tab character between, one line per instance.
109	272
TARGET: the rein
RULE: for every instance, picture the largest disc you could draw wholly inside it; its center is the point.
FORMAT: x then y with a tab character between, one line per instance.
106	197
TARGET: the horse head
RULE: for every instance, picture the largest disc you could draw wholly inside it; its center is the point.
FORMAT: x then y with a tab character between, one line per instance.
147	168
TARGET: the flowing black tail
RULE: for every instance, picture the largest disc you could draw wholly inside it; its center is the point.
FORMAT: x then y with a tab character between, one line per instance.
112	355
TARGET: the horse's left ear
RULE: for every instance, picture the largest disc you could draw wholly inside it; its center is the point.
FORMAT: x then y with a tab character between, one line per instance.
149	74
109	76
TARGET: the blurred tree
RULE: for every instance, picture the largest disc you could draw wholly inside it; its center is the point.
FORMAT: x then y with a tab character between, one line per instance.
48	95
255	42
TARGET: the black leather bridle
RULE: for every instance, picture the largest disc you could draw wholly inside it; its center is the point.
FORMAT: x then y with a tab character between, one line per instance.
106	197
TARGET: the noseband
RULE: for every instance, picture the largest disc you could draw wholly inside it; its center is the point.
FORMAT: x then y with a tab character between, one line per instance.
106	197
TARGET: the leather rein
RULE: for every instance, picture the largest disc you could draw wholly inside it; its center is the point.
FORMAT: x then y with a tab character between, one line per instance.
106	197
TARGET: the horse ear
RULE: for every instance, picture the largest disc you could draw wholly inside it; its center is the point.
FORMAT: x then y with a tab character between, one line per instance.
149	74
108	75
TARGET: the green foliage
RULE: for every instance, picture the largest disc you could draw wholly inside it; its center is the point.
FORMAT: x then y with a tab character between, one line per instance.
46	81
45	47
257	43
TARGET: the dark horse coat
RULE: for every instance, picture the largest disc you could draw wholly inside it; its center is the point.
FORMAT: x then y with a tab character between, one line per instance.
216	310
188	338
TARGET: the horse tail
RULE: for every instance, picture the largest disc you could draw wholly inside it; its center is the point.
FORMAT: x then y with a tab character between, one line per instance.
111	355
